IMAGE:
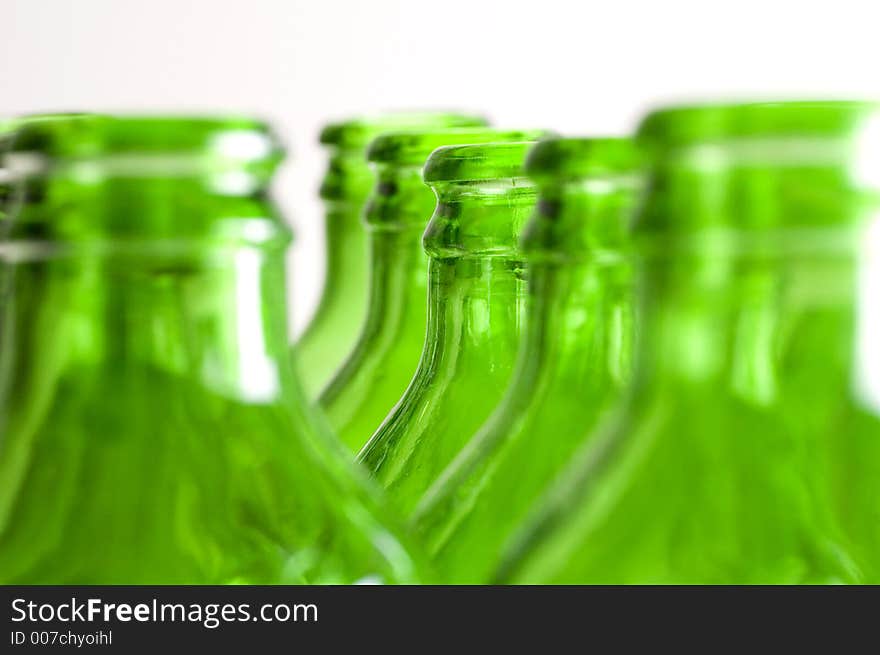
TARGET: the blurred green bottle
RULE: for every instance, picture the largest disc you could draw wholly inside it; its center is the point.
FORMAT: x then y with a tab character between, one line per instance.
5	136
152	428
749	451
5	200
476	290
334	329
574	357
380	367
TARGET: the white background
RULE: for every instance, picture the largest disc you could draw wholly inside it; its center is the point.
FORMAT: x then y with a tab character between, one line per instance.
576	66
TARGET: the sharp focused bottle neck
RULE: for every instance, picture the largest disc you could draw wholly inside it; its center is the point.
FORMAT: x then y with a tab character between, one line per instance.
475	309
476	281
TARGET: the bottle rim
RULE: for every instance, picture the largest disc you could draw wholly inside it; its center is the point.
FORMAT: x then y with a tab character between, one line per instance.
104	145
820	131
482	162
413	147
749	177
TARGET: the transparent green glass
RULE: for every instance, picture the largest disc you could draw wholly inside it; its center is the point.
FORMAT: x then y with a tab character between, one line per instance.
152	428
334	329
476	289
6	127
574	357
749	449
378	370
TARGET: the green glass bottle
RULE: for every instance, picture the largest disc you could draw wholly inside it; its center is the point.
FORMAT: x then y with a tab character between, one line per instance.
333	331
749	450
378	370
573	361
5	199
152	428
5	135
476	290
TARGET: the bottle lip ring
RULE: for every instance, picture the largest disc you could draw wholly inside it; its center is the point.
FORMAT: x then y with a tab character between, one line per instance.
478	163
692	124
121	141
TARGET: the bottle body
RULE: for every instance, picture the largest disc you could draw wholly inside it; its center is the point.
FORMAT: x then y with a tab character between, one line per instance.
474	317
734	464
334	329
377	371
476	293
153	428
380	367
338	322
747	451
574	358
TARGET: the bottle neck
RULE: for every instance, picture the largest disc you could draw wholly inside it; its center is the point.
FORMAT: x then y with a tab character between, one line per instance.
346	247
398	272
476	281
345	188
762	325
129	292
579	324
475	309
395	217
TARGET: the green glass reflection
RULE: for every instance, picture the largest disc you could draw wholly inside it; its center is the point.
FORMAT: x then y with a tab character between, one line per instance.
152	428
749	450
334	329
574	357
476	290
378	370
